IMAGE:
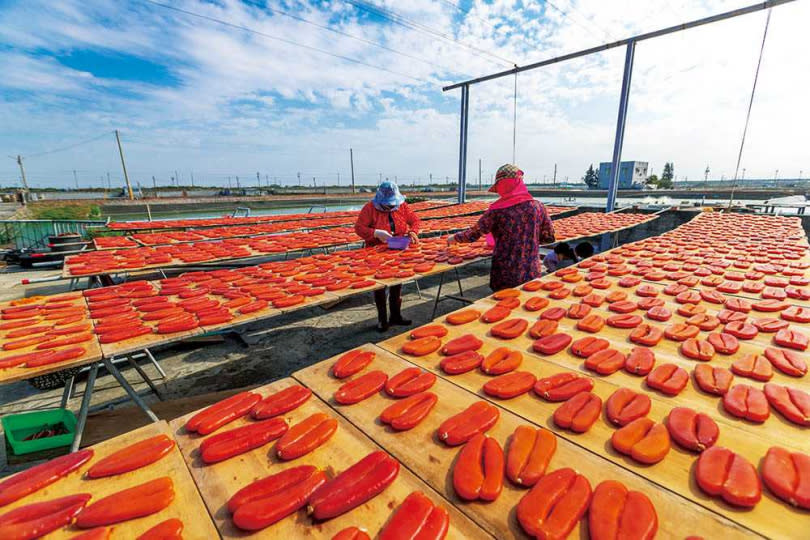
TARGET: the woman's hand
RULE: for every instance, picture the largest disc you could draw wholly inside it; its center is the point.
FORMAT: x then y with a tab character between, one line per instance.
381	235
414	238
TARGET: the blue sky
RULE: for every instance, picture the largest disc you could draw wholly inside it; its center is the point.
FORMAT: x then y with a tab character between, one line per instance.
281	94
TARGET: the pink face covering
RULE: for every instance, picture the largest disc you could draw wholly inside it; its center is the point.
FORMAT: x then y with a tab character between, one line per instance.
512	191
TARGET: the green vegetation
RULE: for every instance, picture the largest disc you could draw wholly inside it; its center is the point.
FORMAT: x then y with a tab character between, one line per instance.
667	177
64	210
667	180
591	178
411	200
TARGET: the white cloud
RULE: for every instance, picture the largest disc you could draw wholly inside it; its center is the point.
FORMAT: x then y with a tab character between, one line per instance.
244	102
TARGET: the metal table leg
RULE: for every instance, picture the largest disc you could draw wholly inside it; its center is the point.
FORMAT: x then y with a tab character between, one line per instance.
82	419
66	394
143	375
438	295
458	280
151	358
131	391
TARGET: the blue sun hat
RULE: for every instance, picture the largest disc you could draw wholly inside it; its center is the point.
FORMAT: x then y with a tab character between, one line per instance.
388	197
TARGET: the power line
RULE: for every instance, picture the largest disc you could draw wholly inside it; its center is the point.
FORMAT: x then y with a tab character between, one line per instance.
574	9
412	25
750	106
283	40
467	12
62	149
352	36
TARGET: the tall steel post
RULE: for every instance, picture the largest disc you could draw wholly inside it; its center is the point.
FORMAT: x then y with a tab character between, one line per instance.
462	149
351	164
22	175
613	187
124	166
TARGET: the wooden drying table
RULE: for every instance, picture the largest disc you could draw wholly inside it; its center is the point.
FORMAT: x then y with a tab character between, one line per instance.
219	481
431	460
187	504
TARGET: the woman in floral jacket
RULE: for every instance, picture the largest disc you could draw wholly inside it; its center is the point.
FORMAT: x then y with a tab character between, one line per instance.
519	224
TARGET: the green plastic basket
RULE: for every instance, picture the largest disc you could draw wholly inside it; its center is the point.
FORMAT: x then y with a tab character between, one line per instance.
19	426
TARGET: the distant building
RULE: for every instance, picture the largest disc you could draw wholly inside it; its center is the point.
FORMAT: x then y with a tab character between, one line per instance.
630	172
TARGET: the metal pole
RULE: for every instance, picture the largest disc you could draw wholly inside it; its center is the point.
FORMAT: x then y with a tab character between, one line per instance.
22	173
479	174
640	37
75	179
620	123
462	150
554	180
351	163
124	165
85	406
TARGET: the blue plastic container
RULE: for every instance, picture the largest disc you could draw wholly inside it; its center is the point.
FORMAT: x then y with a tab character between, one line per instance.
399	242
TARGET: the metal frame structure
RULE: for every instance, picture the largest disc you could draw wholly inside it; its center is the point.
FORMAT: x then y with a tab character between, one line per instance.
630	43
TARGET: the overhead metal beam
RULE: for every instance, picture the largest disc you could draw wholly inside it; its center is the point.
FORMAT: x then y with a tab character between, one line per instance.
641	37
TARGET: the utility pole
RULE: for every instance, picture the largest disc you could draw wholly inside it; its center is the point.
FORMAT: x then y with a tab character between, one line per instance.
109	186
259	181
176	178
554	182
154	186
22	174
313	182
706	177
192	178
229	182
381	178
351	163
299	178
743	174
431	179
75	180
237	183
338	179
123	165
479	174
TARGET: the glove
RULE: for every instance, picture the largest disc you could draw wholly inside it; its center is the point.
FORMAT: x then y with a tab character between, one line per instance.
381	235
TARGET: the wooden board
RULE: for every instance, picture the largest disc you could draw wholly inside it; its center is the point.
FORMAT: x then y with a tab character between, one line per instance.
433	461
666	350
92	349
771	516
691	396
187	505
218	482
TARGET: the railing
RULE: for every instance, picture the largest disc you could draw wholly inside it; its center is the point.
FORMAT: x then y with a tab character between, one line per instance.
30	233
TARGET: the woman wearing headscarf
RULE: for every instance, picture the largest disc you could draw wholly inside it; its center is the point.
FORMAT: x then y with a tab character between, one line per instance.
387	215
519	225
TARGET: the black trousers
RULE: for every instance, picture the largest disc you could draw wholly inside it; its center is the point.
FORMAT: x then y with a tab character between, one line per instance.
394	302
